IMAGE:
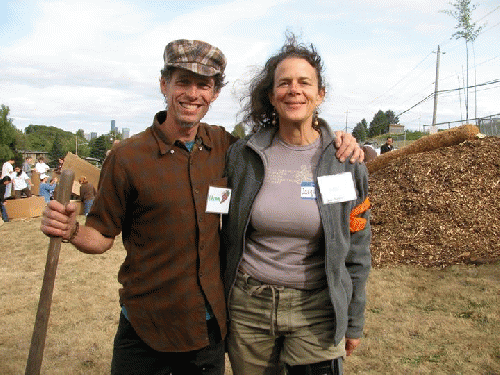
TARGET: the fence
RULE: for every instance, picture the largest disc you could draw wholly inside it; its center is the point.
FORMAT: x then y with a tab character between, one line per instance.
490	125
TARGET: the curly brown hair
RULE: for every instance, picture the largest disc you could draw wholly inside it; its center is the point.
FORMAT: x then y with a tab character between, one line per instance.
258	108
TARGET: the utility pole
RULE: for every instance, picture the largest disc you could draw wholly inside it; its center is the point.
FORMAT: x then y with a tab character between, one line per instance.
346	120
433	129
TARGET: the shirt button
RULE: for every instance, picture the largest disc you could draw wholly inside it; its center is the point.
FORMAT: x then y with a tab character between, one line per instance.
172	151
196	191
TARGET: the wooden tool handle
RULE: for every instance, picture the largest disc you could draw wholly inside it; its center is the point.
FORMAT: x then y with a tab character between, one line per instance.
62	195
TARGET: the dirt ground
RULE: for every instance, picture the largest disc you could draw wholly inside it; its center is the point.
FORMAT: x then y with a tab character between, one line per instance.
438	208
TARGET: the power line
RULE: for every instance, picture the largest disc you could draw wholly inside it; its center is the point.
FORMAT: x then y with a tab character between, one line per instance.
487	14
448	91
397	83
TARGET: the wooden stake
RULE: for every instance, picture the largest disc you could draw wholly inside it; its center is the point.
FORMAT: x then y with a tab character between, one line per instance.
62	195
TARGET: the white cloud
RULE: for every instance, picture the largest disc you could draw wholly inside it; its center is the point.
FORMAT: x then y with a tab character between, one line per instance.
87	62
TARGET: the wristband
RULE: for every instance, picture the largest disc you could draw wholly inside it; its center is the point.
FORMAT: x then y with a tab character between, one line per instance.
73	234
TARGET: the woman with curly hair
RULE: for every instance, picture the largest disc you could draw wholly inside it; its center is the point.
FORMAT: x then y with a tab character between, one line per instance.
296	239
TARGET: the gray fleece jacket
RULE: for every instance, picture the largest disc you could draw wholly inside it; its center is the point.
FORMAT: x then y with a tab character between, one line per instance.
348	258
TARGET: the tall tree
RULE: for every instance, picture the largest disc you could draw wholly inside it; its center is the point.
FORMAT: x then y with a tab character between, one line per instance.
7	135
391	117
466	30
379	124
360	131
56	152
99	146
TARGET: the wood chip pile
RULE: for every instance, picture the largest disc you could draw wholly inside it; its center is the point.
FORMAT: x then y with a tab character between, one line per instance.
438	208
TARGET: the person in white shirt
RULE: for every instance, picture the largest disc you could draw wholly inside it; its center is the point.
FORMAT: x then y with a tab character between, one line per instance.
22	183
41	167
7	170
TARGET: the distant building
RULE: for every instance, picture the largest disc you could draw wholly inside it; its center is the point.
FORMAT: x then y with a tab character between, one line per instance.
113	126
396	129
33	155
125	133
93	135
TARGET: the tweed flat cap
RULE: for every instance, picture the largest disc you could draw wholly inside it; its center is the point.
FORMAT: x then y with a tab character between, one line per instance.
194	55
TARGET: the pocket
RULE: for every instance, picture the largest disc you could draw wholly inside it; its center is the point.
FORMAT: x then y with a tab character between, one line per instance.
219	182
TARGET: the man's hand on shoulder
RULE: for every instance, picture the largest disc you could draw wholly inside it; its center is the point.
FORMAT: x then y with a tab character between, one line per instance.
346	145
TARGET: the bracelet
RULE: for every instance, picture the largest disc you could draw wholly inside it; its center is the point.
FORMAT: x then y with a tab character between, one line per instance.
73	234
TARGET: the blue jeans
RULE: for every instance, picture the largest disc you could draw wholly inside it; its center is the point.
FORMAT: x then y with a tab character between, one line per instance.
5	217
87	205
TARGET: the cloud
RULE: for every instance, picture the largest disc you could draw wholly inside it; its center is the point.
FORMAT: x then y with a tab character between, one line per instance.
77	63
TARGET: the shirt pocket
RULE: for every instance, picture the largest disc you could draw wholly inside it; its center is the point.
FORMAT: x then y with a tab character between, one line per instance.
219	182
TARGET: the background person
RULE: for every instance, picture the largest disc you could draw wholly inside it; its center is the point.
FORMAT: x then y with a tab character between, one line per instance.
46	189
60	164
22	183
369	151
4	182
41	167
296	254
87	194
8	170
387	146
27	166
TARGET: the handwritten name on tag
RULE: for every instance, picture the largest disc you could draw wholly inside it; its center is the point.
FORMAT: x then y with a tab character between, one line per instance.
307	190
337	188
218	200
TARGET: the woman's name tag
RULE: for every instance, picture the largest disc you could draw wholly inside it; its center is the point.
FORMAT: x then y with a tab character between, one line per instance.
337	188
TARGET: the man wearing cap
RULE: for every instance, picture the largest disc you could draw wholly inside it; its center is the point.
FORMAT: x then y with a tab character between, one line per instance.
153	189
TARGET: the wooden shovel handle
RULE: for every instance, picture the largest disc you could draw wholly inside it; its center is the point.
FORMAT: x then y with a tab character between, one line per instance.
62	195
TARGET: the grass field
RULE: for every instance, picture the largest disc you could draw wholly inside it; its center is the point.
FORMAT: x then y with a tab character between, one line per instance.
419	321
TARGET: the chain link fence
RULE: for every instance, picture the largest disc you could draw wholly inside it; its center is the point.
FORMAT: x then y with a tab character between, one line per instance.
490	125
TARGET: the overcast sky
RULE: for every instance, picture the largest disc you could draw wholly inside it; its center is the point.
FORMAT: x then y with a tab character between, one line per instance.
80	64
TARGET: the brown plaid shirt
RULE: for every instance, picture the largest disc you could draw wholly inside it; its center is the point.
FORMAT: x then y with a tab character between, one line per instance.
154	191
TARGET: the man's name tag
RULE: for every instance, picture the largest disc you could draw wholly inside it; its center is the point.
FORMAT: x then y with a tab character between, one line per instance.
337	188
218	200
307	190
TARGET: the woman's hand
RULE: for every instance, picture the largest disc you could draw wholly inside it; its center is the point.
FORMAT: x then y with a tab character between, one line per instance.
350	345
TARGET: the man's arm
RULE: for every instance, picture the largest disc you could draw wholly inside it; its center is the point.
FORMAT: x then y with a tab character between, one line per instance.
346	145
60	221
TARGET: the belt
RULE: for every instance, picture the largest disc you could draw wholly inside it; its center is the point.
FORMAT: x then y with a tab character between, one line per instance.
256	288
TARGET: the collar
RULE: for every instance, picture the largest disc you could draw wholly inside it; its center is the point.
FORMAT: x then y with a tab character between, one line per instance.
264	136
202	138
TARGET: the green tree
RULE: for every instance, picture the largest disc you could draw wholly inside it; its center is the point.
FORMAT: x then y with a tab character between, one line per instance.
56	152
466	30
239	130
7	135
379	124
360	131
99	146
391	117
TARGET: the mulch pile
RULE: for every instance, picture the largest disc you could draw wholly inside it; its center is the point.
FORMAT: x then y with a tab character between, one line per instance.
438	208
